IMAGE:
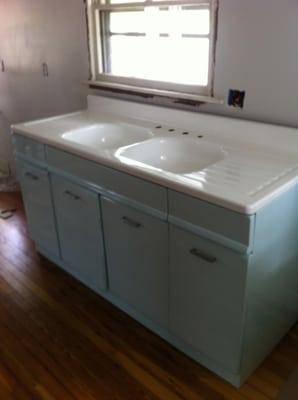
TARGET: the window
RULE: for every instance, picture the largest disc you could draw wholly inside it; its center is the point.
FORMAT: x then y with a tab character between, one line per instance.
163	47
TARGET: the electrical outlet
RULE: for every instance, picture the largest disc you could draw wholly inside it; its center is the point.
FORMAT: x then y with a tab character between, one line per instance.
236	98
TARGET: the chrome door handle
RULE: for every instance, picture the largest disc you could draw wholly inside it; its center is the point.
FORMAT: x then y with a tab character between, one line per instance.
131	222
204	256
72	195
31	176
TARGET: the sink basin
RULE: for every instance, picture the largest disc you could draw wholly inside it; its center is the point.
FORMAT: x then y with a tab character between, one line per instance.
107	135
172	154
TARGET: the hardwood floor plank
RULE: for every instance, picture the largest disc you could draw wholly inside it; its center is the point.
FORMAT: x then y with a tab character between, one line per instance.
266	377
11	385
6	382
5	394
251	393
29	337
33	373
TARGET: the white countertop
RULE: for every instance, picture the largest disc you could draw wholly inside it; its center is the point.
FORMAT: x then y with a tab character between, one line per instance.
253	172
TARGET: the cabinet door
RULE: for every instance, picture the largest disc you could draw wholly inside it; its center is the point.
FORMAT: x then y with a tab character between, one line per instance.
207	285
137	259
38	205
80	233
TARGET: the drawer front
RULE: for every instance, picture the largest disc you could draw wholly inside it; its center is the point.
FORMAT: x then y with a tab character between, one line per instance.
109	180
29	148
217	223
207	292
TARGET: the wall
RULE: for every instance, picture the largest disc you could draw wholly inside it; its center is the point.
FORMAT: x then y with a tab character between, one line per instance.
33	32
257	51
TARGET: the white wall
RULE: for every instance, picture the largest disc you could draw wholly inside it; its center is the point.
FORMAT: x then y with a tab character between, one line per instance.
257	51
33	32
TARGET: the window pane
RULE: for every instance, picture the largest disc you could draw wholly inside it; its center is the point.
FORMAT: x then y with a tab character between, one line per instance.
168	59
176	20
125	1
127	21
172	20
194	21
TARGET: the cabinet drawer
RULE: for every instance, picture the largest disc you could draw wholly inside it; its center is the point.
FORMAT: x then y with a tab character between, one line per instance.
109	180
217	223
29	148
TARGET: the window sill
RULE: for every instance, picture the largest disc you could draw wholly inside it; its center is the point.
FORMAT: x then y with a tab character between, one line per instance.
148	92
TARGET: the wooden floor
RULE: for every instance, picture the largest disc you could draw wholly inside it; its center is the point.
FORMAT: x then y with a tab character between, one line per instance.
58	340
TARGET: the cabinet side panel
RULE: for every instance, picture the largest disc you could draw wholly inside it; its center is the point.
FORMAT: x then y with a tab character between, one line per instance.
272	286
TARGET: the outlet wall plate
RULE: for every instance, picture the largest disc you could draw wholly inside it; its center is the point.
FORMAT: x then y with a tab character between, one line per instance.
236	98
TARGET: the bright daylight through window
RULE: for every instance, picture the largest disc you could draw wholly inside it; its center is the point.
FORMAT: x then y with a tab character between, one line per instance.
163	45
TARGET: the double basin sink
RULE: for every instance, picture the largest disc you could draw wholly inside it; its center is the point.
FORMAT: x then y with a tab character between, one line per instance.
140	146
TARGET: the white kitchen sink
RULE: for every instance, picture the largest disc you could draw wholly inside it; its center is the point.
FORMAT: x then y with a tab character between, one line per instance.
173	154
107	135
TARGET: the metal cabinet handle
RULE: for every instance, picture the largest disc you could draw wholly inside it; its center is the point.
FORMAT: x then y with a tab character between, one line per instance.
31	176
131	222
72	195
204	256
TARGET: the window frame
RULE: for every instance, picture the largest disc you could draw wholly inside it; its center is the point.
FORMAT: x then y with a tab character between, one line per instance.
100	78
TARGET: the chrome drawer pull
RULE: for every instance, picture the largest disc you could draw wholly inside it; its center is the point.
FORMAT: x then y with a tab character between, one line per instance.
31	176
131	222
204	256
72	195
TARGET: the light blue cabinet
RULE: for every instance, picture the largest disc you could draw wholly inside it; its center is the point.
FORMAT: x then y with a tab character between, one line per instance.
207	286
217	284
80	232
137	259
38	204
